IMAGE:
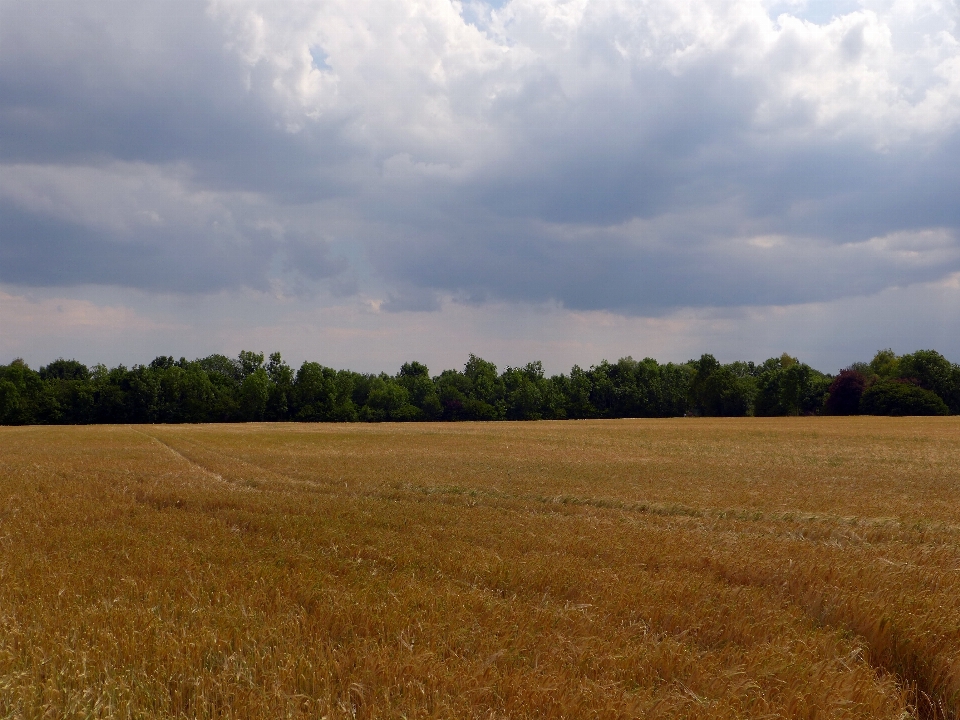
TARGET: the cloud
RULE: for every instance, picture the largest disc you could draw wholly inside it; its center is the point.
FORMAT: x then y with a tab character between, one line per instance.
123	326
145	226
607	156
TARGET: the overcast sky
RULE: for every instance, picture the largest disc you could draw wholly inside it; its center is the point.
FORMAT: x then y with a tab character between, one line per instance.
362	182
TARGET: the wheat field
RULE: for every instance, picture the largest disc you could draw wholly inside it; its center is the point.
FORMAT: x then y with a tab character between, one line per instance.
686	568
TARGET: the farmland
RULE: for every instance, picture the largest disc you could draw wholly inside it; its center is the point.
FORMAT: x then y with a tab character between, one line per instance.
699	568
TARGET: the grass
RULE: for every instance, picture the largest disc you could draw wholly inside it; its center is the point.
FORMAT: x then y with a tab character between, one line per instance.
794	567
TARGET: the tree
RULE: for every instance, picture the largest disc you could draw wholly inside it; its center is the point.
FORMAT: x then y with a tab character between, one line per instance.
218	388
845	392
220	365
197	395
109	395
526	392
388	400
724	394
248	363
254	393
11	404
703	369
415	379
68	396
603	393
933	372
453	389
169	391
486	387
162	362
61	369
142	391
324	394
280	389
629	397
717	390
21	396
885	364
899	397
579	387
672	392
786	386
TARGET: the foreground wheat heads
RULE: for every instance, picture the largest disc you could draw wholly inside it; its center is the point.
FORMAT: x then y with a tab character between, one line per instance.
795	568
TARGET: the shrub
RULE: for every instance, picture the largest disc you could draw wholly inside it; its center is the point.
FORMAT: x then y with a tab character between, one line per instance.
891	397
932	371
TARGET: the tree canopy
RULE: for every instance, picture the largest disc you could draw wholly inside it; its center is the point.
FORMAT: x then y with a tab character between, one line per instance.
255	387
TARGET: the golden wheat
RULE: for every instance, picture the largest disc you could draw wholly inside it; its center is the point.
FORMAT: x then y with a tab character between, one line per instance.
795	568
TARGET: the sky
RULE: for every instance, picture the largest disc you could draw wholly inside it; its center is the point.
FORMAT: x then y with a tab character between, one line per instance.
363	183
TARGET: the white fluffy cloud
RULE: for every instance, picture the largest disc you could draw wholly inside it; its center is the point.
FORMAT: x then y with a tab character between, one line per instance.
438	77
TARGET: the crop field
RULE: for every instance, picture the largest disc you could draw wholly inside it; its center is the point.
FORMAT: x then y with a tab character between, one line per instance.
688	568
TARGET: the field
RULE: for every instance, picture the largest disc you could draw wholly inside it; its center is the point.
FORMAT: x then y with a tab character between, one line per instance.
794	568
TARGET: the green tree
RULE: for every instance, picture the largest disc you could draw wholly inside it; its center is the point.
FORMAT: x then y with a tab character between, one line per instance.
21	395
109	395
786	386
280	389
579	388
525	389
220	365
324	394
66	384
453	388
248	363
142	394
703	368
388	400
672	390
933	372
629	397
254	393
414	377
893	397
485	394
169	391
11	406
197	395
61	369
726	395
603	395
720	390
885	364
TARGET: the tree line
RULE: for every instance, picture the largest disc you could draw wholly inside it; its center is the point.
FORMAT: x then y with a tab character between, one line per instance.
251	388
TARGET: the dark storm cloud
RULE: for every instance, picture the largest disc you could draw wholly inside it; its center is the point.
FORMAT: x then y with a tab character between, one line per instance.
120	80
148	82
93	84
649	275
629	158
684	151
43	251
707	185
